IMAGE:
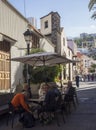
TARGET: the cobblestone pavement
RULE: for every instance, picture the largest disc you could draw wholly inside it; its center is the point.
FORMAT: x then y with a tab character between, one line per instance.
83	118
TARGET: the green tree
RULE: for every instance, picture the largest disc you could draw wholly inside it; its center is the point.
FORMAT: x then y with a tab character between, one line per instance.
91	6
32	51
78	41
92	68
44	73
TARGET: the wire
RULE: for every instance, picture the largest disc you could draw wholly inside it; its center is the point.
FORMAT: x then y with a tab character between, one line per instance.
25	8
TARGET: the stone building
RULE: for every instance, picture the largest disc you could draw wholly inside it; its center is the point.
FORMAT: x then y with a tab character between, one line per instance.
50	27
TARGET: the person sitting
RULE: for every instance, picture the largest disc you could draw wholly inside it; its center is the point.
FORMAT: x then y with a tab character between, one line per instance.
19	102
43	90
54	87
50	97
50	102
27	89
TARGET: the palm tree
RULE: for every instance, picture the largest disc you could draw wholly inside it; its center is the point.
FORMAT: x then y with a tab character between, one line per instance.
91	6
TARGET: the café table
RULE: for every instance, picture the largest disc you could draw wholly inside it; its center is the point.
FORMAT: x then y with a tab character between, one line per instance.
37	100
36	105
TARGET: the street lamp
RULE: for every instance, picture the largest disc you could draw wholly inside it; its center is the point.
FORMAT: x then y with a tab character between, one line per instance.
28	38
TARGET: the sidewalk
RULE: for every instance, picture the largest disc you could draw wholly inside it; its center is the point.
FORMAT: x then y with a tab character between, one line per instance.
83	118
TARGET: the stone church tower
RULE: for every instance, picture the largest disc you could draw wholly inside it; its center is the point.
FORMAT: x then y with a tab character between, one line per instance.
50	27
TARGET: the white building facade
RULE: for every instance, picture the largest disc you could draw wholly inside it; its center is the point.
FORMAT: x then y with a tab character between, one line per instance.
12	43
12	27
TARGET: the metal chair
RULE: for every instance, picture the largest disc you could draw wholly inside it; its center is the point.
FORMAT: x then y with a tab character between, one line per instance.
52	109
12	112
70	99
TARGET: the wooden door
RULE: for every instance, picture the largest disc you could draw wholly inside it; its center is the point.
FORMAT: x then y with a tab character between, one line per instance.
4	65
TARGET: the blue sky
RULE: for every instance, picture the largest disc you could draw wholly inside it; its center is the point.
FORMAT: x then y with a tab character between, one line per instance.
75	16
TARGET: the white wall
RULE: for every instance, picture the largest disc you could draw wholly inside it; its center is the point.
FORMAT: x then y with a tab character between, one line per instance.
64	48
46	45
13	25
49	29
65	51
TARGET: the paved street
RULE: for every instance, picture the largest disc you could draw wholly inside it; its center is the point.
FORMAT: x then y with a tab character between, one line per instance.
83	118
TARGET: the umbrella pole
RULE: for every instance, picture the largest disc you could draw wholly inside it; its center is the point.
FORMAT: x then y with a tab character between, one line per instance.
61	78
45	78
28	81
44	70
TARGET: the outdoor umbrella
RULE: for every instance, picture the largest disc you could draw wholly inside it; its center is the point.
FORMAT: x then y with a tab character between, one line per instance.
42	58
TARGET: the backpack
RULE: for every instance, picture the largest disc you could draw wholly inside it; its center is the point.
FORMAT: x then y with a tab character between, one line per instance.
27	120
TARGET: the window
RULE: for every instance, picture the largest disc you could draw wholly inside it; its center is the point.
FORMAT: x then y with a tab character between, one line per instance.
64	41
4	65
46	24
